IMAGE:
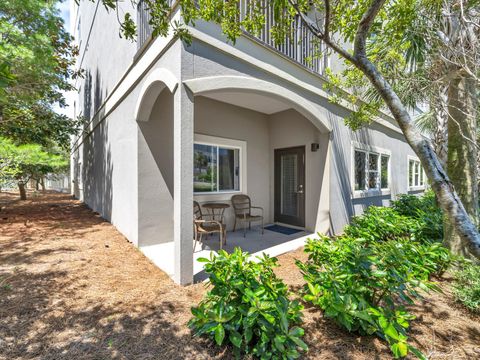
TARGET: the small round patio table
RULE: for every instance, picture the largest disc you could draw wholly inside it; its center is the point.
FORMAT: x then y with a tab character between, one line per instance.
216	209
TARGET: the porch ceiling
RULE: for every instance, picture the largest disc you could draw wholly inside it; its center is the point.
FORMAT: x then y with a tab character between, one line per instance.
257	102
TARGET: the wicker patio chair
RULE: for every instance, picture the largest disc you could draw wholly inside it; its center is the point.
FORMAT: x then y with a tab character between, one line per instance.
203	226
242	206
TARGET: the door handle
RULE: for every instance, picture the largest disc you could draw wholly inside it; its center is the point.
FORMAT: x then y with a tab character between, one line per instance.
300	189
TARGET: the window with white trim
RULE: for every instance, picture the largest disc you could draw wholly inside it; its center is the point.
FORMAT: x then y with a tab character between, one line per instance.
416	174
371	170
216	168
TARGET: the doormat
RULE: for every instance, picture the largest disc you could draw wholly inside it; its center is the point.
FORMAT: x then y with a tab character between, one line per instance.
282	229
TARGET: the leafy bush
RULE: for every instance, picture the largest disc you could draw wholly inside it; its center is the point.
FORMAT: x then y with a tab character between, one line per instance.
381	224
425	210
248	307
364	285
414	217
466	287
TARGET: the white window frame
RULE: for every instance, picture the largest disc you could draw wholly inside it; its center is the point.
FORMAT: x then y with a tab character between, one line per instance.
228	144
421	175
368	149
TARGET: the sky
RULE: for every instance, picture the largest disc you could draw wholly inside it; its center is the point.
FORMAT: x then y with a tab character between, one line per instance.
64	8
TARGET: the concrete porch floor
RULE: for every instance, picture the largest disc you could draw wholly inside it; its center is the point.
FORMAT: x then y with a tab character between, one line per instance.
271	243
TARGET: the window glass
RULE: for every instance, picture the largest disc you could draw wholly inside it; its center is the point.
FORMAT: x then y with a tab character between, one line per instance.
360	162
372	171
204	168
384	171
410	172
416	175
215	168
228	169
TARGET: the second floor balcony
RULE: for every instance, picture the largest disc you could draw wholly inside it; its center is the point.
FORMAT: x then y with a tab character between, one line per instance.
301	46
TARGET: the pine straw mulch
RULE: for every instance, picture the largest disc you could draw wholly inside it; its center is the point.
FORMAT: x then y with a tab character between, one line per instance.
72	287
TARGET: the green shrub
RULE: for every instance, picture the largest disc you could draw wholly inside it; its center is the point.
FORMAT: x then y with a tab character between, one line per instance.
364	285
425	210
381	224
466	287
248	307
415	217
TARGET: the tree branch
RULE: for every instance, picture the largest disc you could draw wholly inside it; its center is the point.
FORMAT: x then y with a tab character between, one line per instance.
326	29
310	24
364	28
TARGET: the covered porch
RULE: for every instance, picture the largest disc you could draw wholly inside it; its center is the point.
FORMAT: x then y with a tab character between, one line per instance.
271	243
211	139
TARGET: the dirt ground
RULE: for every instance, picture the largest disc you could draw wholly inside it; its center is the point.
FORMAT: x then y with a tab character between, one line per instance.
72	287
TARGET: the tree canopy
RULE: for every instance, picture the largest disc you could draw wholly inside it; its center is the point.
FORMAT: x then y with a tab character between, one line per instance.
20	163
36	64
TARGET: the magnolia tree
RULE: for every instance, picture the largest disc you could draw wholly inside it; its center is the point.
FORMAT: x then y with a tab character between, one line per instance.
373	37
21	163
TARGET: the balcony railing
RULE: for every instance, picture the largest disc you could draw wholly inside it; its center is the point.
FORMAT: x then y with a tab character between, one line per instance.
144	29
301	46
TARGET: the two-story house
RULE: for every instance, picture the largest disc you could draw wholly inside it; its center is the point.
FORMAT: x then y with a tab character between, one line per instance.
170	123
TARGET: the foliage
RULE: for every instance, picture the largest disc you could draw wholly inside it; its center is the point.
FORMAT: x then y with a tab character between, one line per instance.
381	224
22	162
415	206
414	217
466	287
36	64
248	307
425	210
364	285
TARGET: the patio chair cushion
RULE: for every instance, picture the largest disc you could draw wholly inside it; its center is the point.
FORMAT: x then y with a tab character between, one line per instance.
209	227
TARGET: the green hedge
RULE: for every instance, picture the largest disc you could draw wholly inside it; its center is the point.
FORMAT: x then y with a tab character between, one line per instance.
363	280
248	307
364	285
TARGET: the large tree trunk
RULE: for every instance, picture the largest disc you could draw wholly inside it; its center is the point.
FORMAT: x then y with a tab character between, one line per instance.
443	188
447	197
440	134
21	189
462	155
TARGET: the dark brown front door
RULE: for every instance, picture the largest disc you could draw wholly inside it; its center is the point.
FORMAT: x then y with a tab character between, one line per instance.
290	186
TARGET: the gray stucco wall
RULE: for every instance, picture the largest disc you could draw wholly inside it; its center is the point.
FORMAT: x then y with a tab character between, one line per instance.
109	165
343	204
288	129
232	122
125	170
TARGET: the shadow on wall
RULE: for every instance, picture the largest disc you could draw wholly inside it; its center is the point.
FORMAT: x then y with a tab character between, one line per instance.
342	161
97	163
340	171
155	173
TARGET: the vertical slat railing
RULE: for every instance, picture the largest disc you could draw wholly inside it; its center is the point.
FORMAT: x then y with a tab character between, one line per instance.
301	46
144	29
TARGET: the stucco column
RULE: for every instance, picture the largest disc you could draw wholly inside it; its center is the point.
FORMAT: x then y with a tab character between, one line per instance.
183	185
323	217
